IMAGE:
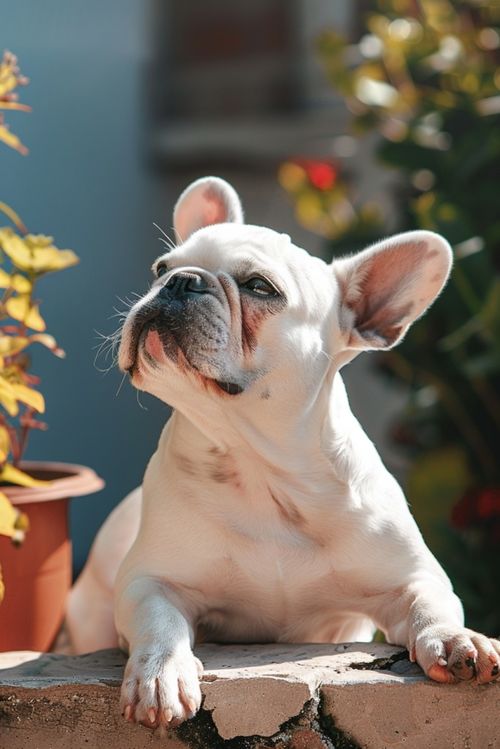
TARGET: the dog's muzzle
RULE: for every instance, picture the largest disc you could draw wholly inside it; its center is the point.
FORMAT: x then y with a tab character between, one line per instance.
185	313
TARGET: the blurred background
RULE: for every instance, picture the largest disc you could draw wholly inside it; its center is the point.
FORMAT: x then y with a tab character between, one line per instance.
338	122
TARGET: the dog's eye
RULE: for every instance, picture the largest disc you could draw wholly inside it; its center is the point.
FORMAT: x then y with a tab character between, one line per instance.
259	286
161	269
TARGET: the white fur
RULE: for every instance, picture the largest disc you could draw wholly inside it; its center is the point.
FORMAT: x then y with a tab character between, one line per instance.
268	515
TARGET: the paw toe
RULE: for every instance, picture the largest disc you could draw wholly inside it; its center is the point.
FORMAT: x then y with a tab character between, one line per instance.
488	660
440	673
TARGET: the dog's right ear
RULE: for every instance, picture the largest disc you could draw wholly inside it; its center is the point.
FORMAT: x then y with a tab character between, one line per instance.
207	201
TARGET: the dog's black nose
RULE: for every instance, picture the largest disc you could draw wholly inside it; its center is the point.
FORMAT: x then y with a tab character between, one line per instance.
182	284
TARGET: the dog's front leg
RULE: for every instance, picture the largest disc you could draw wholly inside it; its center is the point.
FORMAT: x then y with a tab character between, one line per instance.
161	682
427	617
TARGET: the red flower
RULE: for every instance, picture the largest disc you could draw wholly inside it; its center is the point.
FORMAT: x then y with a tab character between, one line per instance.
488	503
322	174
476	507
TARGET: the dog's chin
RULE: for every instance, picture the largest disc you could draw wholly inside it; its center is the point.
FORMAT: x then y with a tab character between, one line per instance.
151	348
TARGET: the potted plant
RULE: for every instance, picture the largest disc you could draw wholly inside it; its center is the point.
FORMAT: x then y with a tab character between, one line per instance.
36	577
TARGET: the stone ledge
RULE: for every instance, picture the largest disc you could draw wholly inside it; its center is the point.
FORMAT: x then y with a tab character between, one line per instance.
256	696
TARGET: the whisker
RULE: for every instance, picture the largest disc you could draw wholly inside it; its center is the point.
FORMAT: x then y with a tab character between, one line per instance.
126	303
120	385
167	241
182	240
137	394
106	348
118	313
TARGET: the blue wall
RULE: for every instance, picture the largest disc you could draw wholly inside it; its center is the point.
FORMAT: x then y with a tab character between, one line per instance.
85	181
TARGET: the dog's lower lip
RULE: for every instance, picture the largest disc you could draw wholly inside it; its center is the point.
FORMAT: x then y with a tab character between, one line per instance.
138	337
231	388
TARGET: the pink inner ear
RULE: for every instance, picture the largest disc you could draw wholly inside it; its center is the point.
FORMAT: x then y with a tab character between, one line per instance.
207	201
382	292
215	211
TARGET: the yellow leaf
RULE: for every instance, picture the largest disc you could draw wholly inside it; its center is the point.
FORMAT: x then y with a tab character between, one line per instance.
50	342
12	140
20	283
4	444
13	475
12	344
14	281
29	396
12	523
7	397
8	517
35	253
34	319
15	248
19	308
4	279
8	80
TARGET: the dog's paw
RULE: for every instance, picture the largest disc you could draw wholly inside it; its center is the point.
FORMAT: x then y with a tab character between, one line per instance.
450	655
161	690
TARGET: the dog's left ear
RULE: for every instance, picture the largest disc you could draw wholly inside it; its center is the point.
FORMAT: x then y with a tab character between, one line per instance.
385	288
209	200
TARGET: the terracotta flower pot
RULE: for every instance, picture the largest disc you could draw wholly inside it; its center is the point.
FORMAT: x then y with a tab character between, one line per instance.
37	575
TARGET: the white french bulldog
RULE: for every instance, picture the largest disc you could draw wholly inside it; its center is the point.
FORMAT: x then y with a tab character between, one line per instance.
266	512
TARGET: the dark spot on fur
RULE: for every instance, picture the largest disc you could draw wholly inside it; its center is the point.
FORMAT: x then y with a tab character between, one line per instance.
215	450
223	471
186	465
288	512
223	476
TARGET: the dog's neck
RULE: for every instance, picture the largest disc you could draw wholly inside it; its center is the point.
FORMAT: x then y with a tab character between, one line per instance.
299	439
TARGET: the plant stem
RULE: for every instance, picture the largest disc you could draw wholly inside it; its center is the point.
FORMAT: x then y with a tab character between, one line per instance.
13	216
23	439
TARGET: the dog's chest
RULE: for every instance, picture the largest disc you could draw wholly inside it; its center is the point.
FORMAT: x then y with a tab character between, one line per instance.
263	556
278	566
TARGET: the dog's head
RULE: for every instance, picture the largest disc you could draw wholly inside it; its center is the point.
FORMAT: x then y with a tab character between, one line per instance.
238	311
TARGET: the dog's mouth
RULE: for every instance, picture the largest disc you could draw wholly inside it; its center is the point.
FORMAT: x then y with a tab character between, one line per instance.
147	324
231	388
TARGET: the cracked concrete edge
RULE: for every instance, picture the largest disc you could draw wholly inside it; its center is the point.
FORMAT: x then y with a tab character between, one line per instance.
88	716
422	714
248	691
